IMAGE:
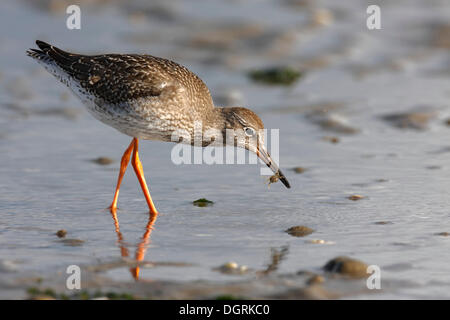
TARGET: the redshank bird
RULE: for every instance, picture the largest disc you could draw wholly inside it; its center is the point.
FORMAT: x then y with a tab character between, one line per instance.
147	97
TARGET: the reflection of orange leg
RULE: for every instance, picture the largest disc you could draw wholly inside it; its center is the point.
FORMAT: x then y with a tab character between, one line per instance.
123	168
137	165
142	246
123	248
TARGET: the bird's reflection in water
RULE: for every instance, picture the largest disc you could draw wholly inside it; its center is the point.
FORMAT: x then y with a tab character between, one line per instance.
141	247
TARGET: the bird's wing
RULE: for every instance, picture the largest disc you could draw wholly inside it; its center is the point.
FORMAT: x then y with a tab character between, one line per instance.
118	78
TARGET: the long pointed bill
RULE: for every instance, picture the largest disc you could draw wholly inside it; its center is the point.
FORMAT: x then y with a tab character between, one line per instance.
265	156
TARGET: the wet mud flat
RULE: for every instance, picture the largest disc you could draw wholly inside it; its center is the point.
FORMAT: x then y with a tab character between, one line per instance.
364	128
339	278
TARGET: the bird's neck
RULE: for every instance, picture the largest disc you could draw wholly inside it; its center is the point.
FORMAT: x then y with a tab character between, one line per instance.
213	123
214	118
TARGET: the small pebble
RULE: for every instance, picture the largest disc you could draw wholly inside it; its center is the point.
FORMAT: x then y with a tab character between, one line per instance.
61	233
230	265
383	222
333	140
355	197
232	268
299	169
276	76
202	202
243	269
104	161
347	266
299	231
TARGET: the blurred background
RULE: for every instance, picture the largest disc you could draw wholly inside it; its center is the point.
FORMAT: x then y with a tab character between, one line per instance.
364	140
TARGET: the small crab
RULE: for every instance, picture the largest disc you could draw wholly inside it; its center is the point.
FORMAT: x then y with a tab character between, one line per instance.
273	179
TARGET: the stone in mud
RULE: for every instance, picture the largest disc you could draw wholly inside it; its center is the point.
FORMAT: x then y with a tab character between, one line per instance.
299	231
103	161
347	266
202	202
276	76
417	120
61	233
383	222
299	169
333	140
232	268
355	197
230	265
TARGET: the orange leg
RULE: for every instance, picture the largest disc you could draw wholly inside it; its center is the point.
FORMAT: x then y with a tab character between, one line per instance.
123	168
137	165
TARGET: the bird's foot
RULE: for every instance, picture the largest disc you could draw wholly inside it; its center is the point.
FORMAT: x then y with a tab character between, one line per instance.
112	209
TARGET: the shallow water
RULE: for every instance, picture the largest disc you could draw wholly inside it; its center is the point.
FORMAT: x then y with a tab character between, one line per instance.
47	181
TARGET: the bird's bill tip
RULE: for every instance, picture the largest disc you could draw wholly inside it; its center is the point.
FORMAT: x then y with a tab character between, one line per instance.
267	159
283	179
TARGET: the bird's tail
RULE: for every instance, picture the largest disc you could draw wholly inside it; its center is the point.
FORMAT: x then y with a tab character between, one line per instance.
54	60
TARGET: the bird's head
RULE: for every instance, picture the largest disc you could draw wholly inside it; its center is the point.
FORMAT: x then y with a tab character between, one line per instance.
248	132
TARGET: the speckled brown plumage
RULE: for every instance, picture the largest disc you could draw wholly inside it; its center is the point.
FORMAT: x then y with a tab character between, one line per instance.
119	78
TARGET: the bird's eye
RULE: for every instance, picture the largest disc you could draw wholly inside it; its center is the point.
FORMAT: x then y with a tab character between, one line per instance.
250	132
